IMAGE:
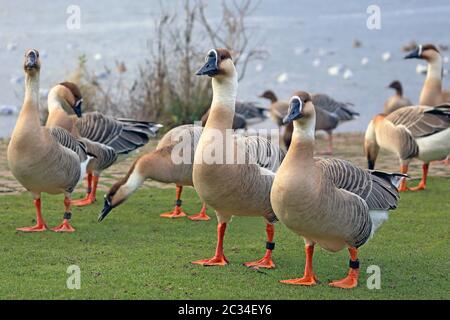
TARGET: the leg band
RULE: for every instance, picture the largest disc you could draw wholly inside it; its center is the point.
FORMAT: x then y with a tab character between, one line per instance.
354	264
67	215
178	202
270	245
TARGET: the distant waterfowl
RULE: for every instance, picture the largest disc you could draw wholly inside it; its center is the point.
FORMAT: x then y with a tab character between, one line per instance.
396	101
329	202
364	61
245	113
158	165
386	56
335	70
432	93
8	110
44	159
282	78
329	114
236	188
421	68
411	132
348	74
409	46
356	43
105	137
316	62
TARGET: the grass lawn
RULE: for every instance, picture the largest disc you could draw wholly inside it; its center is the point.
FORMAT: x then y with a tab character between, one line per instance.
135	254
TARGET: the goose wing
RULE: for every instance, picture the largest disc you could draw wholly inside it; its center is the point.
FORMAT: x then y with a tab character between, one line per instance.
261	151
123	135
64	138
341	110
378	189
250	110
422	121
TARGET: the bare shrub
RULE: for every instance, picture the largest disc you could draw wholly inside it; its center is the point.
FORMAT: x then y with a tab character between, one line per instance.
165	88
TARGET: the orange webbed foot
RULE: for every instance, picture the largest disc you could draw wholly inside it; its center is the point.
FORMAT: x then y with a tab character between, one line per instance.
349	282
214	261
199	217
266	263
308	280
37	228
421	186
64	227
176	213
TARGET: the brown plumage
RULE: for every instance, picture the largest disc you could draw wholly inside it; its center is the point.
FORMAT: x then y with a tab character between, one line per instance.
396	101
410	132
44	159
105	137
329	202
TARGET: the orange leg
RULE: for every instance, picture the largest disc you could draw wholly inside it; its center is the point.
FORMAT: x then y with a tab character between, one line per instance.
219	258
309	278
403	169
40	223
351	281
177	211
202	216
266	261
65	225
423	181
91	192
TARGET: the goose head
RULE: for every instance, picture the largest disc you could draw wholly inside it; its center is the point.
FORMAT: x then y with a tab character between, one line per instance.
397	86
67	94
427	52
301	108
31	64
269	94
113	198
218	64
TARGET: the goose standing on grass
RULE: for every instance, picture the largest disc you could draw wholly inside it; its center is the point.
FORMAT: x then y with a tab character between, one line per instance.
222	179
329	114
107	138
159	165
44	159
411	132
396	101
432	93
329	202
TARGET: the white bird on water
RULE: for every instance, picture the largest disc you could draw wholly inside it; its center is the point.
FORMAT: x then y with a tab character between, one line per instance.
386	56
364	61
316	62
421	68
347	74
335	70
282	77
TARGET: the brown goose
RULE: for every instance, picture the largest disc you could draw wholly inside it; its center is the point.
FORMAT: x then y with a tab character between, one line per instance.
230	184
107	138
396	101
329	114
329	202
432	93
158	165
412	132
44	159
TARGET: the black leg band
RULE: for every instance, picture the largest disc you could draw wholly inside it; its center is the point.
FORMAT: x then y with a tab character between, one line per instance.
270	245
88	190
178	202
353	264
67	215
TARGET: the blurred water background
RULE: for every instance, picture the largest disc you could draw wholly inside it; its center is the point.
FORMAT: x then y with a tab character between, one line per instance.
304	38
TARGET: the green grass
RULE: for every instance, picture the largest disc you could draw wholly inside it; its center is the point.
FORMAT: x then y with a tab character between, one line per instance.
134	254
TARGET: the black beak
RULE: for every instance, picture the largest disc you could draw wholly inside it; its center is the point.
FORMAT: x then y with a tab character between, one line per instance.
210	68
31	60
295	110
107	207
77	108
416	54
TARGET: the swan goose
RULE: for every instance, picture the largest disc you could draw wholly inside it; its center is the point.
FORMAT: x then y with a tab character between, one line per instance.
232	187
432	93
329	114
109	139
396	101
44	159
412	132
329	202
158	165
245	113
